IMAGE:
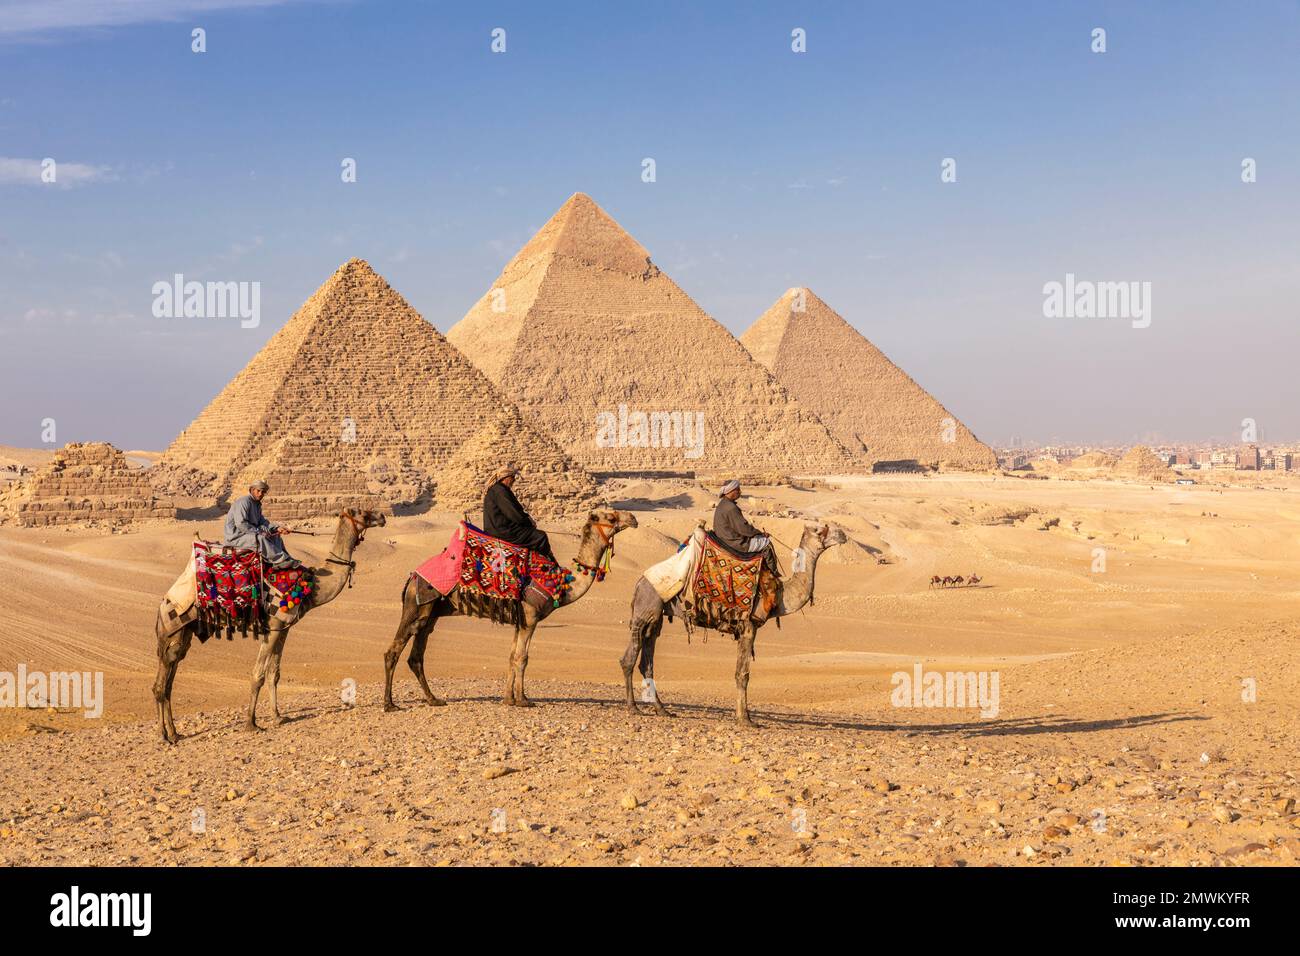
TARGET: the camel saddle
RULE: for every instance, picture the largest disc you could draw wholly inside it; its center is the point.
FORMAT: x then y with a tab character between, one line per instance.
476	562
229	589
725	584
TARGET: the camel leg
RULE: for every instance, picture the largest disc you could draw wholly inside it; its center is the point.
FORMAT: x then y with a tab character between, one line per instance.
628	662
519	663
416	661
187	636
171	651
273	674
259	678
413	616
744	655
509	698
648	666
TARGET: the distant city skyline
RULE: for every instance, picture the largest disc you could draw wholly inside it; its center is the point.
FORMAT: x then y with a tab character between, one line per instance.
772	169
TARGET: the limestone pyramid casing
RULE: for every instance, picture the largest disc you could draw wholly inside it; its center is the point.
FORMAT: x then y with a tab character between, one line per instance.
84	483
871	405
581	322
357	395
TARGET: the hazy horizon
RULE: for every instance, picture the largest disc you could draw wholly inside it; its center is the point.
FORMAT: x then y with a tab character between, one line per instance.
773	169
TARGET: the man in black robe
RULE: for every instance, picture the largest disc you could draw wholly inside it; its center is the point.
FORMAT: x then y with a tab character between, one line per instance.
730	526
505	518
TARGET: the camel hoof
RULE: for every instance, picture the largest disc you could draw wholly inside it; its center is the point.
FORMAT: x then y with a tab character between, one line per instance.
524	702
664	712
746	722
249	727
389	707
436	702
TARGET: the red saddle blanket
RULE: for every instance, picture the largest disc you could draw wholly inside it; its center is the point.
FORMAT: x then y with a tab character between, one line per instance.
726	581
238	583
479	562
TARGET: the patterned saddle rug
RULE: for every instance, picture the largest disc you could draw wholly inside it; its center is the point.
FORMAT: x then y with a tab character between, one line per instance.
236	591
481	564
724	587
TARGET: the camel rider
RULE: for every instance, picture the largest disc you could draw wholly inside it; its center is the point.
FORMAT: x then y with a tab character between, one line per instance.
505	518
247	528
730	526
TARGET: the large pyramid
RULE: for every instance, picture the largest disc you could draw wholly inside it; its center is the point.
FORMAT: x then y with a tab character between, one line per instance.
594	342
870	404
359	400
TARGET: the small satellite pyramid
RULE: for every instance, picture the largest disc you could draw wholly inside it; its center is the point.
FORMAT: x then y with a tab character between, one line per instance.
600	348
358	400
871	405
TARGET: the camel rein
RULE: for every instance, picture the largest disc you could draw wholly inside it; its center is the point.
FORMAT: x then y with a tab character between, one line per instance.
602	566
360	531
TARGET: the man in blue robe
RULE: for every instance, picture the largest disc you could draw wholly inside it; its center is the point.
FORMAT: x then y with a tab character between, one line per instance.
247	528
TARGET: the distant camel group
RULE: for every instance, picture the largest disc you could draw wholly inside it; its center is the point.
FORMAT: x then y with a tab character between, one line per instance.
957	582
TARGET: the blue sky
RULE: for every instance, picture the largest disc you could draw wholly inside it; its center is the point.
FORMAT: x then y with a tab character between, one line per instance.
774	169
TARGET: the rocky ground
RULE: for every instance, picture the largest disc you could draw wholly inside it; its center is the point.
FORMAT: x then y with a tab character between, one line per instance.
1147	711
576	780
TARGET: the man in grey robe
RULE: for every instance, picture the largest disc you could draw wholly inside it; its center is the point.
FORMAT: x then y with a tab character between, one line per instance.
247	528
730	526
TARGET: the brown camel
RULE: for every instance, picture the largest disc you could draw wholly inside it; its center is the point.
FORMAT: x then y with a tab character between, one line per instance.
331	579
647	620
422	606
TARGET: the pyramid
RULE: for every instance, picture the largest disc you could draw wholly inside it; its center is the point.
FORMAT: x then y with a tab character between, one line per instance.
871	405
84	483
595	343
1141	462
358	400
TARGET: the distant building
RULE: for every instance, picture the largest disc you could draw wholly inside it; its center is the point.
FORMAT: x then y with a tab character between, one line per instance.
1248	458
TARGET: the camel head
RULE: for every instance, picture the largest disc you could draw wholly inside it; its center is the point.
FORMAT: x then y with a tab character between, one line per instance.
361	521
821	535
610	520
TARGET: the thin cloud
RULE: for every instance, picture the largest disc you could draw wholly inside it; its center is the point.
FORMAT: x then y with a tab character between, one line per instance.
41	18
27	172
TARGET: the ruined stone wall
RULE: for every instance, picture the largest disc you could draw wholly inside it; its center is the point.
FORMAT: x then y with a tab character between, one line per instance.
90	483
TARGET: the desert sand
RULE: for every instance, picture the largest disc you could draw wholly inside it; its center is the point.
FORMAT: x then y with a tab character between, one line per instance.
1122	736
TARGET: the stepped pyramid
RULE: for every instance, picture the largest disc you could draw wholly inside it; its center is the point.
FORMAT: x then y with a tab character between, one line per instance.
84	483
587	335
358	400
869	403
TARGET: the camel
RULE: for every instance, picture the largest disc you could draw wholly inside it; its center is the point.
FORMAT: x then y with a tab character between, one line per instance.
958	581
331	579
422	606
973	580
648	611
936	581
